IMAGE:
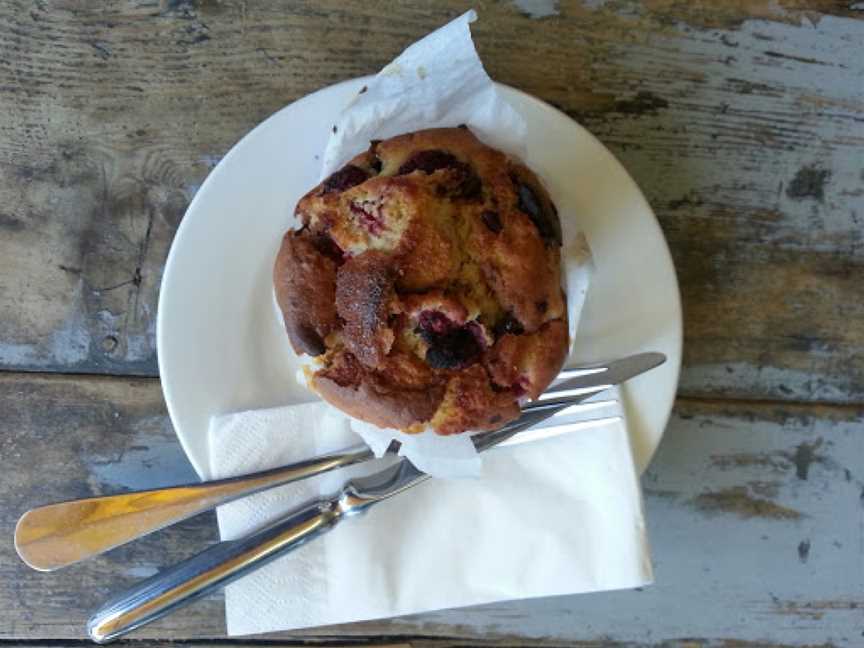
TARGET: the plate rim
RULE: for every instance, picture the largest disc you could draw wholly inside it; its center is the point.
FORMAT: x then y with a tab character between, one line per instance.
218	170
678	316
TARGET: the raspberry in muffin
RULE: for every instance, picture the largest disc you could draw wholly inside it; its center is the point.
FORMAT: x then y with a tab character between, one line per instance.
425	280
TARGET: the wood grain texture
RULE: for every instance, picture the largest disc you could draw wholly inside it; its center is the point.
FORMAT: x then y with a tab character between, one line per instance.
742	121
430	643
450	643
755	515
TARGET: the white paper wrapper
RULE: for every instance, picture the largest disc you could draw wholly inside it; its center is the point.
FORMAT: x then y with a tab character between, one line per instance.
437	82
440	82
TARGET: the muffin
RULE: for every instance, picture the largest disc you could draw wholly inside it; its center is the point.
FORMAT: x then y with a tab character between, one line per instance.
424	279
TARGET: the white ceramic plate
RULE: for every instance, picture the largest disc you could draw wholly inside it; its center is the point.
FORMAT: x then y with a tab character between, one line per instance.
221	348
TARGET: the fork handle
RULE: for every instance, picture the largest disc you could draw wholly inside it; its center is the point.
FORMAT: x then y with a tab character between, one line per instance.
218	565
53	536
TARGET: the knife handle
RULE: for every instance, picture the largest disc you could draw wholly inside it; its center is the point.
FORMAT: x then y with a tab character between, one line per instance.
56	535
218	565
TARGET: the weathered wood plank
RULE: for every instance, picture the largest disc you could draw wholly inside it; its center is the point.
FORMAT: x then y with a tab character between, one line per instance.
742	121
757	179
70	438
755	515
425	643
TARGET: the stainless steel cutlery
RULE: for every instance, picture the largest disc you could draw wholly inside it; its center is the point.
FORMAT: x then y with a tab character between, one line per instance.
57	535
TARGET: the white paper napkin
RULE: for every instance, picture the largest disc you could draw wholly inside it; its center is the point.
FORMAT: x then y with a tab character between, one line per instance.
553	517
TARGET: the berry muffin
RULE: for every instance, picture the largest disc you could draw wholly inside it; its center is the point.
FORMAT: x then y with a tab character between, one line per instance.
425	281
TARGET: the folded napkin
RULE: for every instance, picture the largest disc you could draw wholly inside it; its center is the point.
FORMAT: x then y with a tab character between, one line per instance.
551	517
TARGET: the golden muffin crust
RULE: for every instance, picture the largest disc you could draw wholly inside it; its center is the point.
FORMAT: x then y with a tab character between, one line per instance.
425	279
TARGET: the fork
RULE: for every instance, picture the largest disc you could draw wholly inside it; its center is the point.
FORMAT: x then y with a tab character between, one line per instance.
57	535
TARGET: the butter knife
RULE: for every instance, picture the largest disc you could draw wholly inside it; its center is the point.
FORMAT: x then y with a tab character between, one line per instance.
56	535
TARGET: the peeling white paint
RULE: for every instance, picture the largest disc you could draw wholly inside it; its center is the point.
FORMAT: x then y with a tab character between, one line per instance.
210	161
751	143
68	344
141	346
537	8
190	189
140	571
152	459
595	4
764	382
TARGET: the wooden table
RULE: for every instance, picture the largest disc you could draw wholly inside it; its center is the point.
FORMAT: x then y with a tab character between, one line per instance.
742	121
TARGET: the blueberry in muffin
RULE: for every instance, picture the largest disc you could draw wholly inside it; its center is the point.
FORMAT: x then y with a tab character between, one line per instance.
425	280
